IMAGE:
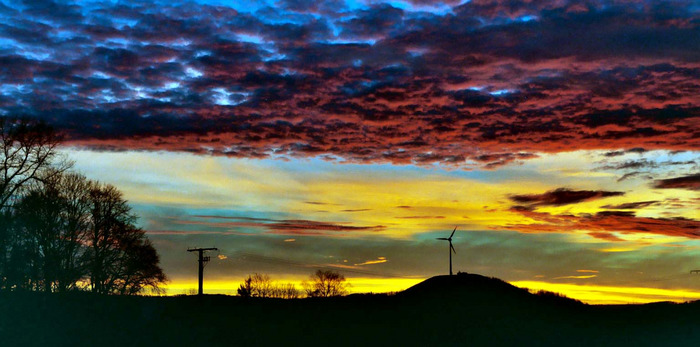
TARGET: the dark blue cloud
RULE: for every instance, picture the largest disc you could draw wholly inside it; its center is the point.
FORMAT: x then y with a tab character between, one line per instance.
403	82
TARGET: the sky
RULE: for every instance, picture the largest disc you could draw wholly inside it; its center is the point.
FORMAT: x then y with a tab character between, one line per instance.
559	137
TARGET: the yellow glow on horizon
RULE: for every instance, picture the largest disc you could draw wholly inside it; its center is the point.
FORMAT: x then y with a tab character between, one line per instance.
608	295
590	294
230	287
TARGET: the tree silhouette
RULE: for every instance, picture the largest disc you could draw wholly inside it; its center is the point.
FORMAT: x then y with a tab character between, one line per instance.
59	229
246	288
259	285
69	230
325	283
28	154
51	217
139	268
285	291
119	257
27	151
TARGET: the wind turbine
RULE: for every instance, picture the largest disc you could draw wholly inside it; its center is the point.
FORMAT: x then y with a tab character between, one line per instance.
452	249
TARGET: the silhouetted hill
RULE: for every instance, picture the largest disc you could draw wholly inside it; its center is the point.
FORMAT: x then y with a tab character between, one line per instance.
464	288
441	311
462	283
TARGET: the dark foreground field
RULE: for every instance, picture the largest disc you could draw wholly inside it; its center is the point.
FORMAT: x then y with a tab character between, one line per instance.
464	310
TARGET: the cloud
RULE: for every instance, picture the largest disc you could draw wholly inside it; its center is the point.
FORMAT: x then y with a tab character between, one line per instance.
302	227
575	277
562	196
602	224
421	217
619	153
632	205
280	226
379	260
643	163
691	182
483	83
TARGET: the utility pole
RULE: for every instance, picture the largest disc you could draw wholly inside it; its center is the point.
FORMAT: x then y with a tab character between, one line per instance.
202	262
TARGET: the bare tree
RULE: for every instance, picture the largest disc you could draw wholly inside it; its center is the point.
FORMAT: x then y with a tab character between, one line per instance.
285	291
70	228
120	259
28	153
325	283
139	268
28	149
246	288
75	190
261	286
53	216
67	227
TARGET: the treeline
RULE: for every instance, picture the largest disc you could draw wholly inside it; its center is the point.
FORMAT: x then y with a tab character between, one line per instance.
60	231
322	283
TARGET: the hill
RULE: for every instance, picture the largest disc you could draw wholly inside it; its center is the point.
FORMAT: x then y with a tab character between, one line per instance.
465	287
457	310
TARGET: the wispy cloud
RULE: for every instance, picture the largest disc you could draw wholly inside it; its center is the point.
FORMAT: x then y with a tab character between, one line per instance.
691	182
602	224
379	260
282	226
562	196
632	205
575	277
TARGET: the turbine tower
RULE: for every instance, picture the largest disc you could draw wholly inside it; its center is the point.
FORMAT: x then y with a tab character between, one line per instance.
452	249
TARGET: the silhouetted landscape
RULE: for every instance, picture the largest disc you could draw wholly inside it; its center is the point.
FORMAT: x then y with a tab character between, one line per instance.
465	309
308	152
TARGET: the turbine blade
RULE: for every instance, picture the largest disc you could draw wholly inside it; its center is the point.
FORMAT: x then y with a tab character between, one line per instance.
453	232
452	248
442	238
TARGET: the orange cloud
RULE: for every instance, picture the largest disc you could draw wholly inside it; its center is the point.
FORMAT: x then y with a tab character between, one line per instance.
379	260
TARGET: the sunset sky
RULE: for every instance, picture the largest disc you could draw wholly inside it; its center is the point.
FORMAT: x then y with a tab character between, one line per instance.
561	138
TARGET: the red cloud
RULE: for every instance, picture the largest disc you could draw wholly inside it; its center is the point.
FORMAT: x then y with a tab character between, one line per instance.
493	83
602	224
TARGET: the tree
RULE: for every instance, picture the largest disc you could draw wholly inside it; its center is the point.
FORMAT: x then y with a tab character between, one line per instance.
285	291
70	230
325	283
139	268
261	286
246	288
257	286
27	150
119	258
53	217
28	153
